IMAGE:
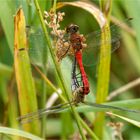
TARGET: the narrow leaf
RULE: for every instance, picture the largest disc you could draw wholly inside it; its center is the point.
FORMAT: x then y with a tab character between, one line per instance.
25	83
136	123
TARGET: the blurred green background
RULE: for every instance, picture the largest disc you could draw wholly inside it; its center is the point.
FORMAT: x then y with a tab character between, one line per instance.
125	67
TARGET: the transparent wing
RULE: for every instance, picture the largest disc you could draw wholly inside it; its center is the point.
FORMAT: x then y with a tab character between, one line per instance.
76	79
59	108
38	51
91	53
46	111
93	38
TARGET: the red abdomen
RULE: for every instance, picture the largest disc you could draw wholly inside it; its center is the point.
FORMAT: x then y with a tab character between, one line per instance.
86	88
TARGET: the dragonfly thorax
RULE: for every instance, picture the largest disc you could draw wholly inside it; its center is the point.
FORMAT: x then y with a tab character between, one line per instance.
76	41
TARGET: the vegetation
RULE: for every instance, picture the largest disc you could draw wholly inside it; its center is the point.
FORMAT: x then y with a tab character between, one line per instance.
31	77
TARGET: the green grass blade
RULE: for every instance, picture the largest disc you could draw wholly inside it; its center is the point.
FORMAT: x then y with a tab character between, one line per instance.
103	77
103	71
5	70
132	8
136	123
12	131
131	44
6	17
130	104
57	66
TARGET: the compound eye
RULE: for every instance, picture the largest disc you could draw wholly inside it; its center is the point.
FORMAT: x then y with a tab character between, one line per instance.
72	28
75	28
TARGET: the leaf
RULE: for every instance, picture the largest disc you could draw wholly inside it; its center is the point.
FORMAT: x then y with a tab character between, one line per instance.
6	17
26	88
5	70
136	123
12	131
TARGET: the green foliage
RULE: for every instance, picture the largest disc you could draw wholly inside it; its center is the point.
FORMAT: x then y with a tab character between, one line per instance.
114	71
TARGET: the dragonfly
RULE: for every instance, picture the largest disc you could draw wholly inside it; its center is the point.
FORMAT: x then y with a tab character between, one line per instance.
77	45
80	88
90	52
77	86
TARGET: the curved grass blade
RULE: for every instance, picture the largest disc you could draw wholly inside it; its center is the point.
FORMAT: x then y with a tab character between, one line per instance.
111	107
136	123
91	8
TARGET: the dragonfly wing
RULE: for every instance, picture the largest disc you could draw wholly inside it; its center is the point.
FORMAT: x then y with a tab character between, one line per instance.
91	53
38	51
93	38
38	114
76	79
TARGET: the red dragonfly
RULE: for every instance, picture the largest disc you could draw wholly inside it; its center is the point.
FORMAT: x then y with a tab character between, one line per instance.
77	45
90	54
79	88
78	98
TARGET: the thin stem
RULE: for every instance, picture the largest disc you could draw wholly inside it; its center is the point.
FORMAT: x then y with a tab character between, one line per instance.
94	137
58	68
124	88
43	100
54	5
49	83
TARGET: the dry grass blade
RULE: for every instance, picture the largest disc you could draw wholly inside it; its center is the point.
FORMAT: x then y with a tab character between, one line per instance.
124	88
91	8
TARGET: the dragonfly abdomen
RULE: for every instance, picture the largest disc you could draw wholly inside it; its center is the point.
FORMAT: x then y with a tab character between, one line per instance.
86	88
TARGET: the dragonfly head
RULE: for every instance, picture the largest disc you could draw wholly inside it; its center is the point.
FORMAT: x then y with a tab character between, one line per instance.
72	28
